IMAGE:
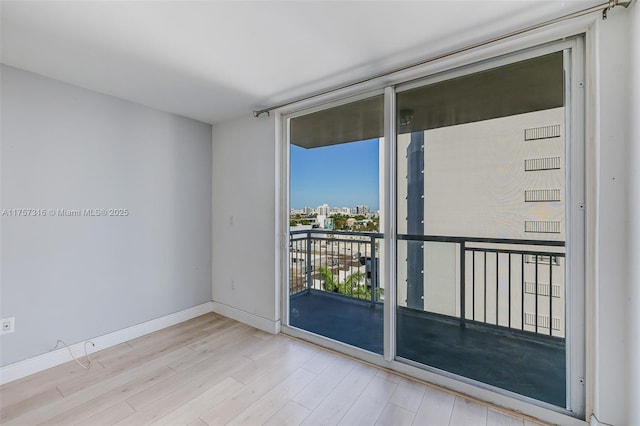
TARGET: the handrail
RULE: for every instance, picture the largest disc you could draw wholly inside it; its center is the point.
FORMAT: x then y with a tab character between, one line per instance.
327	231
437	238
447	239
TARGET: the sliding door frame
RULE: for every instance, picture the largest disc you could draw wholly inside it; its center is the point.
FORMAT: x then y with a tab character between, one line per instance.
572	38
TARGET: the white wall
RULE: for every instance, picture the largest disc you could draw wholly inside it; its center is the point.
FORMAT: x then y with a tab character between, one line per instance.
633	161
612	403
244	217
75	278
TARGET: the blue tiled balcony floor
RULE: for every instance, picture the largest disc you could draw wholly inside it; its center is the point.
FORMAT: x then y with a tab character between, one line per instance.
347	320
530	367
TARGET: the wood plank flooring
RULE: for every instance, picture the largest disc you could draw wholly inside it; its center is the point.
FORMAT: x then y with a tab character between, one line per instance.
215	371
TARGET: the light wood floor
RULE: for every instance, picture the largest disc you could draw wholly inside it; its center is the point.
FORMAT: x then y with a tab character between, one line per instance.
212	371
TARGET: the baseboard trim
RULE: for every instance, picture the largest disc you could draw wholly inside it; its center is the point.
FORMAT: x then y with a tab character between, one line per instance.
29	366
245	317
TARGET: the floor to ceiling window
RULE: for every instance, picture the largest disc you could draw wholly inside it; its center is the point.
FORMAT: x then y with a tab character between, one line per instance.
335	244
486	255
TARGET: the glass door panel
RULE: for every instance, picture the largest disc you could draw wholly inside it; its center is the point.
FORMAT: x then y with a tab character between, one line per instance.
335	249
481	222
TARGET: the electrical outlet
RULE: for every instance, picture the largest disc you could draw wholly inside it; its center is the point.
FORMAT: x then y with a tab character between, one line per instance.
8	325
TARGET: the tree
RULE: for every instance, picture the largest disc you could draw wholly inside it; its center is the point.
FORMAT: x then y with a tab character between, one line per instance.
339	222
355	279
328	281
354	285
371	226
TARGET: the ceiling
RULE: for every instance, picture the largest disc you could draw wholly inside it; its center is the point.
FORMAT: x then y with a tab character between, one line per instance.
214	61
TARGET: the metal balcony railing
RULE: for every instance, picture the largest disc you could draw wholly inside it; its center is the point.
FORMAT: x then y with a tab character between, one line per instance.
338	262
517	285
511	284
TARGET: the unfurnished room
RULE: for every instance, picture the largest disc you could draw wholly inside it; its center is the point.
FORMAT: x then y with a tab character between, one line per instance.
320	212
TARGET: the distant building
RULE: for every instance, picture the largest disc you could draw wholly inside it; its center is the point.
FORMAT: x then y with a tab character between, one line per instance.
323	210
362	209
321	221
329	224
501	178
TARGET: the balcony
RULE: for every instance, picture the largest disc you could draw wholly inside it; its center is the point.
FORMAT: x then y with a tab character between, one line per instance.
505	327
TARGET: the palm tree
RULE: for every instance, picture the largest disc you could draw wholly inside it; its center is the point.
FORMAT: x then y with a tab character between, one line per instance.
328	281
352	284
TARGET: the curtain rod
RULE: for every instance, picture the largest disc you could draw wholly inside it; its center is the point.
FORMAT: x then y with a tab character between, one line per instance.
604	7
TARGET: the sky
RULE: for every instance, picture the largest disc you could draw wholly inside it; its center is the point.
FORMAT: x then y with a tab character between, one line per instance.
343	175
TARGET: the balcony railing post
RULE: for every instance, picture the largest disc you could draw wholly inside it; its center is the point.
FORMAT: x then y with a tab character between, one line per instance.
374	277
463	261
309	278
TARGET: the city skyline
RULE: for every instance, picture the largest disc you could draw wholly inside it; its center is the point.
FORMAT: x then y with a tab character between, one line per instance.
343	175
358	209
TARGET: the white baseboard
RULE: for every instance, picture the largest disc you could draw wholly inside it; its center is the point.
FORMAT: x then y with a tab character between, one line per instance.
253	320
38	363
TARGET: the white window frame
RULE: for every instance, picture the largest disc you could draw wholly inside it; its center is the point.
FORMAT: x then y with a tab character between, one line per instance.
580	209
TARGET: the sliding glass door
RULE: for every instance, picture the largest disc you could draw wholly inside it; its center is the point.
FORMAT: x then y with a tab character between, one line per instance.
484	275
481	219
